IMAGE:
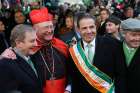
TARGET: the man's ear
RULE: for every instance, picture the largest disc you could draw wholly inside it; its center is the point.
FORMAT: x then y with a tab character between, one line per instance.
18	43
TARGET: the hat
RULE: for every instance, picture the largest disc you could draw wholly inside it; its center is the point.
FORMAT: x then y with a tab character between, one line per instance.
40	15
131	24
114	20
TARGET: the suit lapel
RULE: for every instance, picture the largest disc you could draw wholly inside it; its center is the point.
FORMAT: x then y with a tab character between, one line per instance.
96	49
123	54
25	67
39	66
135	59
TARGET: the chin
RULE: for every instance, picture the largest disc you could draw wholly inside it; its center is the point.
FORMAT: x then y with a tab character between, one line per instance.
88	41
31	52
137	46
48	38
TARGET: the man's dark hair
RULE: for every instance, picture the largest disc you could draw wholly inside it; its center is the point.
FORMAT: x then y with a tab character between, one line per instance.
104	9
114	20
84	16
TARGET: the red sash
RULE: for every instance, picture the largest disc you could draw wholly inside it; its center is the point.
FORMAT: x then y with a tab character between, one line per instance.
55	86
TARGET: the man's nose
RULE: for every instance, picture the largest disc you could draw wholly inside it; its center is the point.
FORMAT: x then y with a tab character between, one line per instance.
88	30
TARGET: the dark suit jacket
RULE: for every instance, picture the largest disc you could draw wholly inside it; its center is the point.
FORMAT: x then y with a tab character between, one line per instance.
101	29
17	75
133	73
2	44
106	59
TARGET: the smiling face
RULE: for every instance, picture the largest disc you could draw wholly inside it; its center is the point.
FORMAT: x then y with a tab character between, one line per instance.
111	27
45	31
132	39
26	45
87	29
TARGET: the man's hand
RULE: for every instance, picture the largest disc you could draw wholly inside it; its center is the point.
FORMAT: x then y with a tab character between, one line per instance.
8	53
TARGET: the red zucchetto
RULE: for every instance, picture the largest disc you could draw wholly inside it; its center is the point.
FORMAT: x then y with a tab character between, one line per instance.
40	15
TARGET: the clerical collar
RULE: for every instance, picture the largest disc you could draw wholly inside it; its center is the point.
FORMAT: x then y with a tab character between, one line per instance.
47	43
92	43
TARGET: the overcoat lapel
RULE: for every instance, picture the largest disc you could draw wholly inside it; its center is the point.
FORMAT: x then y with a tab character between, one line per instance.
39	66
134	61
96	50
25	67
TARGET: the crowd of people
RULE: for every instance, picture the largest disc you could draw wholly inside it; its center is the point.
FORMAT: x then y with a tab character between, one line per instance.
70	52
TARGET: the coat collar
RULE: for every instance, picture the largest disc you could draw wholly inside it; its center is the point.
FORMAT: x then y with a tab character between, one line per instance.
25	66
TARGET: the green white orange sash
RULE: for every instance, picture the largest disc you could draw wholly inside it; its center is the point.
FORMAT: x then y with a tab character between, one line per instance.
92	74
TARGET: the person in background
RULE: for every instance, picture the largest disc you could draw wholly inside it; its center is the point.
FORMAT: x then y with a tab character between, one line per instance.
9	23
101	25
3	42
131	53
128	13
25	74
14	18
19	17
66	32
113	28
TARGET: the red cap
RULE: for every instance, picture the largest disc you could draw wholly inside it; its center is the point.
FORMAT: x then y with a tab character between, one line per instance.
40	15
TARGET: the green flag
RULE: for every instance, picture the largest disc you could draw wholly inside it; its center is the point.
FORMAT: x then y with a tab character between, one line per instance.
87	2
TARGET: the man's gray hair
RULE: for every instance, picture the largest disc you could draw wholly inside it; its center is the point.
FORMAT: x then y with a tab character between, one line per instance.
18	33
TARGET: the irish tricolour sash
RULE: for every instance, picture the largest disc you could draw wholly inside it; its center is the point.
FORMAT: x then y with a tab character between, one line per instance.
92	74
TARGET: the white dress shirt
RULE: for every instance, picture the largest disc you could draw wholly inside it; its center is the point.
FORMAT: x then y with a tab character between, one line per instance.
86	47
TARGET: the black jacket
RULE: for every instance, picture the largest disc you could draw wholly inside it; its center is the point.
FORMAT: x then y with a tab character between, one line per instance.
133	73
17	75
102	29
107	59
3	42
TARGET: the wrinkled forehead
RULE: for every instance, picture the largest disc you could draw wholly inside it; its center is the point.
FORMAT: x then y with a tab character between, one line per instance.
44	24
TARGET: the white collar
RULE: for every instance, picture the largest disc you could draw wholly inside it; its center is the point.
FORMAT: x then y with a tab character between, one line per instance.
92	43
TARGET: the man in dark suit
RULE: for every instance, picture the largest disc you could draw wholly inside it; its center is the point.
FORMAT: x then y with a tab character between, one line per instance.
96	66
104	14
25	74
131	53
